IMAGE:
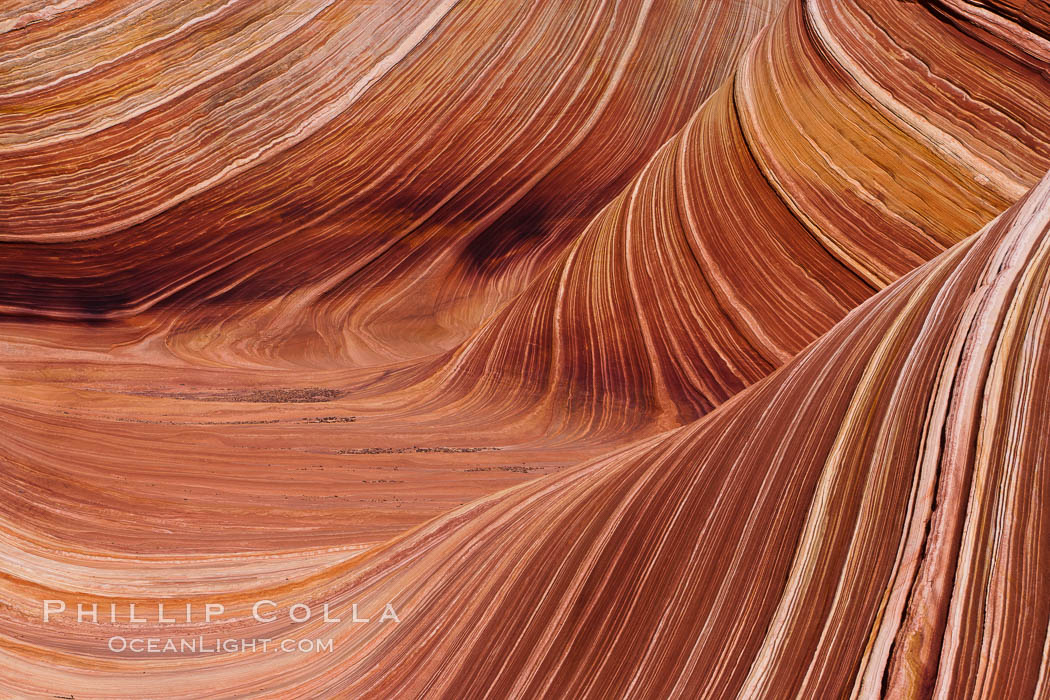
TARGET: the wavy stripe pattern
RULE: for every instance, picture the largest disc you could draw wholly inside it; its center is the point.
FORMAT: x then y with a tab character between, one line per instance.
630	348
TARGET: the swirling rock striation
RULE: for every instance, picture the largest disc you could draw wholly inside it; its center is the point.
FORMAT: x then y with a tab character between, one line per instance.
632	349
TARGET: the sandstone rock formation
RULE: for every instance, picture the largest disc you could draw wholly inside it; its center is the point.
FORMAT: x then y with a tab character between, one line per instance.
627	349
